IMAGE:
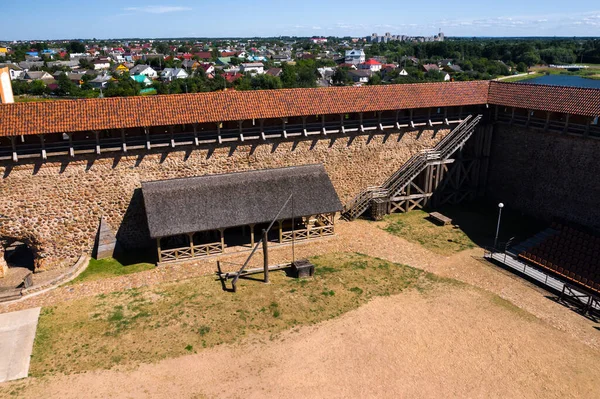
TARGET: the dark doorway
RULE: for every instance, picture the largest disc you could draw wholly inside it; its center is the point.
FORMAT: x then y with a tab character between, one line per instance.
18	254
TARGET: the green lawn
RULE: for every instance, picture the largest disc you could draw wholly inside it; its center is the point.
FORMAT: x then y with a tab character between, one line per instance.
152	323
415	227
110	267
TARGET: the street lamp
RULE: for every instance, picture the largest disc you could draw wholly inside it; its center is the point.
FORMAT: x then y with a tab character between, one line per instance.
500	206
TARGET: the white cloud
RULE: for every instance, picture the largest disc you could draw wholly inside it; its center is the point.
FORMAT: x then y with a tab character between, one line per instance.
316	27
158	9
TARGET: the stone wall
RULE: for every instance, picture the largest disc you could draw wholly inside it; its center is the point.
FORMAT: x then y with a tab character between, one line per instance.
57	206
547	175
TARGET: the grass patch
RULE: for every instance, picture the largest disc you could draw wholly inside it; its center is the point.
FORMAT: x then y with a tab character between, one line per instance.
104	268
522	78
415	227
152	323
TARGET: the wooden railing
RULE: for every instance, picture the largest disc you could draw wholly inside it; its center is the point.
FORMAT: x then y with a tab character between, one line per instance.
196	251
306	234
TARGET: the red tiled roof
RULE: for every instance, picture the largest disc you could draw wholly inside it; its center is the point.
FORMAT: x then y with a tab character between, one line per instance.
568	100
372	61
127	112
203	55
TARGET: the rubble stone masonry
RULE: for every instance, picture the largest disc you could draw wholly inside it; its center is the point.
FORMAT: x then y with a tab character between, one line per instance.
55	207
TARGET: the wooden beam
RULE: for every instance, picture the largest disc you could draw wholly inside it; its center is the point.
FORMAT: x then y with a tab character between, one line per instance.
252	235
191	238
172	136
261	123
362	128
222	231
195	127
285	136
342	128
304	132
323	130
412	124
379	125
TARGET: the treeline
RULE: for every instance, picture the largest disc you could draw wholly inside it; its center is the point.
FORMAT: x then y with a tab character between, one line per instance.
515	51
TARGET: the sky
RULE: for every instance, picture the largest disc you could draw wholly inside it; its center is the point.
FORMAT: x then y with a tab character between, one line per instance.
70	19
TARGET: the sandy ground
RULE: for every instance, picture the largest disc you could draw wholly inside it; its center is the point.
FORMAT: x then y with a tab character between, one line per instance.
453	342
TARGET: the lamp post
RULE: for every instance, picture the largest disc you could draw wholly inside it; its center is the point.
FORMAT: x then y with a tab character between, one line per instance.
500	206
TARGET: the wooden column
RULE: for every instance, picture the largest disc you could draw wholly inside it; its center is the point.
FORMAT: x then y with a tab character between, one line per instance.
123	141
280	231
219	138
147	134
566	123
158	247
71	150
528	118
252	235
265	255
397	119
172	137
429	117
196	141
283	121
222	231
547	121
342	128
240	130
191	238
13	144
97	136
379	124
362	128
323	130
304	132
512	115
43	144
587	127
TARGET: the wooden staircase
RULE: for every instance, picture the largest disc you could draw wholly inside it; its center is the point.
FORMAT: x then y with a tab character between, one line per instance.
415	165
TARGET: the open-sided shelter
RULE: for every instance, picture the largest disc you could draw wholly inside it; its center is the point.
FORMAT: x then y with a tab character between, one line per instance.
200	216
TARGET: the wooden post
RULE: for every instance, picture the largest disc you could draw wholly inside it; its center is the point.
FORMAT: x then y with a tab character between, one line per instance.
71	150
147	134
261	123
429	117
222	231
283	121
280	231
397	119
362	128
547	121
240	130
587	127
323	130
512	115
191	237
43	144
15	158
196	141
172	137
342	128
97	135
412	124
252	235
123	141
159	252
219	138
528	118
379	124
265	255
566	124
304	132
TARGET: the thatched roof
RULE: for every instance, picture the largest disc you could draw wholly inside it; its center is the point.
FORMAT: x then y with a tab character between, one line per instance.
187	205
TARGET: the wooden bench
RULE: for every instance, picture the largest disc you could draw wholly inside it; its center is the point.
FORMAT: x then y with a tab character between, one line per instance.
439	218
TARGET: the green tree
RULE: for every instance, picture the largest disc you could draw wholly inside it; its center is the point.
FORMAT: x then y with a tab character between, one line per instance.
522	67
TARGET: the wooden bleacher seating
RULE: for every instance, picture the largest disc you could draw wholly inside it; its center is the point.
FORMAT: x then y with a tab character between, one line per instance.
571	253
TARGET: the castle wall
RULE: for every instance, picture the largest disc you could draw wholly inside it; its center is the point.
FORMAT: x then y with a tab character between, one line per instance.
546	174
57	205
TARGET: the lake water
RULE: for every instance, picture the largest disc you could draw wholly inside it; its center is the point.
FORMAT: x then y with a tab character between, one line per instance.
565	80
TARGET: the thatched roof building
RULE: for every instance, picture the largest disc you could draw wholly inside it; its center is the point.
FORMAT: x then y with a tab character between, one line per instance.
188	205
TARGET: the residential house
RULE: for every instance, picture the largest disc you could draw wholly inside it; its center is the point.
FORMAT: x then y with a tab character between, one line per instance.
372	65
361	75
14	70
447	77
223	61
231	77
452	68
253	68
38	75
27	65
409	59
326	73
190	64
355	56
100	81
430	67
144	70
101	64
169	74
279	58
120	69
445	63
204	55
209	69
273	72
142	79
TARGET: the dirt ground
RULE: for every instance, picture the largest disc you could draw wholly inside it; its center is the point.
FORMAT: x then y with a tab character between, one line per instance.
455	342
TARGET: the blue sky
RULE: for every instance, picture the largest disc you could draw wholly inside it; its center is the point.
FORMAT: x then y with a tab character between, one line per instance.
66	19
